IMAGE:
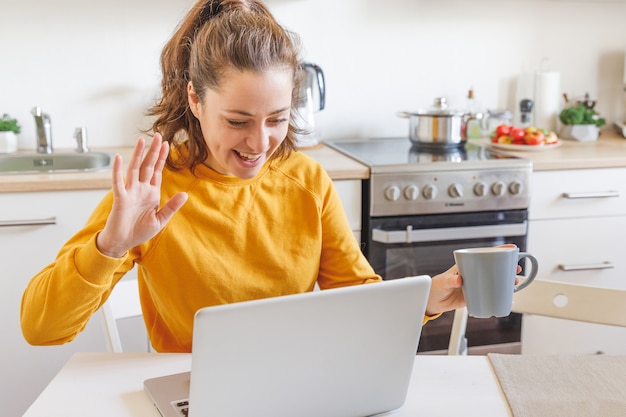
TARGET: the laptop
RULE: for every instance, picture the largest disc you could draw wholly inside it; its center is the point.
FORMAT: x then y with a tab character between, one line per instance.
345	352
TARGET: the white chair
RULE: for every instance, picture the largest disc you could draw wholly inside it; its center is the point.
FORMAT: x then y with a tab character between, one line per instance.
573	302
122	303
558	300
458	341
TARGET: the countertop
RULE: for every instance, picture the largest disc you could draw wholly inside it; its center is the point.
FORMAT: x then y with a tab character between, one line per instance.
609	151
338	166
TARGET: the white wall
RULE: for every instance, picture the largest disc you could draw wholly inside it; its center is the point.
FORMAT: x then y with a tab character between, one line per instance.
96	63
381	57
85	63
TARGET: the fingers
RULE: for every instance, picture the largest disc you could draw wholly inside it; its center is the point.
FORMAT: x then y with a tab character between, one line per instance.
132	172
148	168
152	156
118	177
160	164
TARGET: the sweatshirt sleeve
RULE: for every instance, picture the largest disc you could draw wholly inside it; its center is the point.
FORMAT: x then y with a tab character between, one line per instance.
342	262
59	301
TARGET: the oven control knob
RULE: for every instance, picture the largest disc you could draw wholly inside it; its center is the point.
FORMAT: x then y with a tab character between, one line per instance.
411	192
455	191
480	189
392	193
429	192
516	188
498	188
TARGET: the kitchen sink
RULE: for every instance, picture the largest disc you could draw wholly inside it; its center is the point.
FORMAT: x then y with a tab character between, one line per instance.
33	163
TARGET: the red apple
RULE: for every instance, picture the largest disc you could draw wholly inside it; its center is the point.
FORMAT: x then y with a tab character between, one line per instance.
502	130
534	138
517	134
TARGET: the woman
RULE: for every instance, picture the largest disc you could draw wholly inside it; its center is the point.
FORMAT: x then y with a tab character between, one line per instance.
223	210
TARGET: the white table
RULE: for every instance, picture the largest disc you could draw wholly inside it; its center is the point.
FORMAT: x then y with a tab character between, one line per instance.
111	384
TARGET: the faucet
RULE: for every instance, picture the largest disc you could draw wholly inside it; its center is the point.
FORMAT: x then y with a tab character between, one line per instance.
44	130
80	135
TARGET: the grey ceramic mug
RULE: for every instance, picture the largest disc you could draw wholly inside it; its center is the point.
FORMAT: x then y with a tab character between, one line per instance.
489	278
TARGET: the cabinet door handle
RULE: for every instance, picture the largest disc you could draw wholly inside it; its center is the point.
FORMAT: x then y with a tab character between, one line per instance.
28	222
585	267
593	194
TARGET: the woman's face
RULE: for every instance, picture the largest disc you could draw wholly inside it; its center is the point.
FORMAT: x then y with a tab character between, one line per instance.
245	121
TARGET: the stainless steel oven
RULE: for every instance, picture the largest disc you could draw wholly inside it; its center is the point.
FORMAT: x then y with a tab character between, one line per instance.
420	204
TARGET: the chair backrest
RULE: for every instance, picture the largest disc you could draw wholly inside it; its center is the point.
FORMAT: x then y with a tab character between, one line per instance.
573	302
555	299
122	303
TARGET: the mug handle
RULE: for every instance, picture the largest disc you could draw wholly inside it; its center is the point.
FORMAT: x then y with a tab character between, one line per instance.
533	273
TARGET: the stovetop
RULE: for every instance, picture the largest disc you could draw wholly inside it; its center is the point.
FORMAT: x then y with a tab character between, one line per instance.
386	155
408	180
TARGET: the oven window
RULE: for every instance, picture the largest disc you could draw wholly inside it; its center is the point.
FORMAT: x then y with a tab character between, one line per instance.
431	259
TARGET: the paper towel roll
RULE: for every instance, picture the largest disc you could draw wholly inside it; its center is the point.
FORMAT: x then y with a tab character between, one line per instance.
547	99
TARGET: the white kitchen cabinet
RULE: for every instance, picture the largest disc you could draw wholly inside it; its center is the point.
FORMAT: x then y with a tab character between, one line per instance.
577	220
25	250
350	194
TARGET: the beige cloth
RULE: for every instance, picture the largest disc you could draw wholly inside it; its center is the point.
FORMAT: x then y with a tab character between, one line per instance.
567	385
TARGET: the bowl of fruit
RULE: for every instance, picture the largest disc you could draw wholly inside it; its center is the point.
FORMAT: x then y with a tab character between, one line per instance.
529	138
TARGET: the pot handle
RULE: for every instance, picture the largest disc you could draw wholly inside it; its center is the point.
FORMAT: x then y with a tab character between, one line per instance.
404	114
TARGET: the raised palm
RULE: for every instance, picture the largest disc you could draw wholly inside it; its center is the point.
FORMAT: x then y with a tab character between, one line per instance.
135	215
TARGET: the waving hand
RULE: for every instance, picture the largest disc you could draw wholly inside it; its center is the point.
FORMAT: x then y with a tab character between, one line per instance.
136	216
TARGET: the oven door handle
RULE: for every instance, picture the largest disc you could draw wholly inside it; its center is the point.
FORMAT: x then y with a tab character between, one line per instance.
448	233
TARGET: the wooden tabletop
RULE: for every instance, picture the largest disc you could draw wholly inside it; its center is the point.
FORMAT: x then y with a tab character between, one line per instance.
111	384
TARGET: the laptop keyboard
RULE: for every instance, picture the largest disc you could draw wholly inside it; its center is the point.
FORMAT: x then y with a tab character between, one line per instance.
182	407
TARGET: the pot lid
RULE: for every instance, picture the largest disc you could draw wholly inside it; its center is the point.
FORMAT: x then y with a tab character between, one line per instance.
439	108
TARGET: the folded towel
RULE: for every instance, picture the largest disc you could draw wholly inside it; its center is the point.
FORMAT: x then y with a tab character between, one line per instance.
565	385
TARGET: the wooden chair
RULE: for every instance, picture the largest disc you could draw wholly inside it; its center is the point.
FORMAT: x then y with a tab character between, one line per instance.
558	300
123	303
573	302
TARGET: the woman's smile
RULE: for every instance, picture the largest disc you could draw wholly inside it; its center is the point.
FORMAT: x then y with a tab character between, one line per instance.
248	157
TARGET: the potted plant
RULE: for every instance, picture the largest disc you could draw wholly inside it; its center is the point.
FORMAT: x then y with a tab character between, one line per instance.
9	128
581	122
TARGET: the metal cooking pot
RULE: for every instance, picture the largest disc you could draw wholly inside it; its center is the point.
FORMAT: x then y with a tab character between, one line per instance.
439	126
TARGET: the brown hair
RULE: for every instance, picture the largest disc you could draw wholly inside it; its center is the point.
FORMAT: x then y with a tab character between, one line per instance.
214	37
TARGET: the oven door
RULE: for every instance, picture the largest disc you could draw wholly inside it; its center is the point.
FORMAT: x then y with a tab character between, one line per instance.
404	246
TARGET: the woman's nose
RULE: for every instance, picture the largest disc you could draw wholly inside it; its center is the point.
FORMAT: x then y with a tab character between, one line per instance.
259	139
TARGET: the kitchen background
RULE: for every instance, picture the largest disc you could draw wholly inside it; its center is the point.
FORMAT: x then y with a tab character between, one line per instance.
95	64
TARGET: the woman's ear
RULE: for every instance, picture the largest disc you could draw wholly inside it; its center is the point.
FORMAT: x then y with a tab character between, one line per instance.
193	99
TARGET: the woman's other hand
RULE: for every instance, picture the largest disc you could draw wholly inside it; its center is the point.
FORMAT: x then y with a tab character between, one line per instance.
135	215
445	292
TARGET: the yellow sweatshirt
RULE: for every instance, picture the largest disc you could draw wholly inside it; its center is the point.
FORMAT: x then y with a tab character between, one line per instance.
233	240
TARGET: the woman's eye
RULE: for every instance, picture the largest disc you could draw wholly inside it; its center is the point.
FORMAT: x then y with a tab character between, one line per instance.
278	121
236	123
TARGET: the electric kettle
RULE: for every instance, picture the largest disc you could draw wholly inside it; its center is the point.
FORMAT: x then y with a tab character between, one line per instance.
312	97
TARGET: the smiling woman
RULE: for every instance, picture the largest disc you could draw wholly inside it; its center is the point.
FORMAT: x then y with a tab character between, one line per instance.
221	208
